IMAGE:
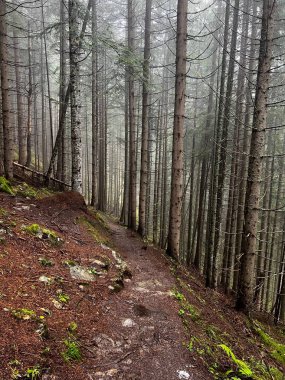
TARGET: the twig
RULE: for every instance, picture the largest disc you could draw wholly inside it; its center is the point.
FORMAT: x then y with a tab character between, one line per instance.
115	361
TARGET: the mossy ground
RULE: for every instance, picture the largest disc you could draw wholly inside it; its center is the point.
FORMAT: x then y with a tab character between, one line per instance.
244	351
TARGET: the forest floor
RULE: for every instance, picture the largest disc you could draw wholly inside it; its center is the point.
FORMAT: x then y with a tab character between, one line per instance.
82	297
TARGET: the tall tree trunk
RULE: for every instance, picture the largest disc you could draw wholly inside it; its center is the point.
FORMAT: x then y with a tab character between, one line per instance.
66	98
144	138
242	172
6	111
210	262
178	132
223	149
30	94
48	77
22	132
76	145
132	125
94	102
125	207
246	279
62	163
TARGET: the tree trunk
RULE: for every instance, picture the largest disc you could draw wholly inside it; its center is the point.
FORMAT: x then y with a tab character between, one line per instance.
178	132
76	145
66	98
22	132
144	138
132	125
246	279
94	102
6	111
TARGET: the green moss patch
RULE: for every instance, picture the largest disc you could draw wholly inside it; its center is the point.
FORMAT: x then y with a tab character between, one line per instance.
277	349
5	186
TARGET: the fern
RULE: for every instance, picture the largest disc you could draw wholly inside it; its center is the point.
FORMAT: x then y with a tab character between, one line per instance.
243	368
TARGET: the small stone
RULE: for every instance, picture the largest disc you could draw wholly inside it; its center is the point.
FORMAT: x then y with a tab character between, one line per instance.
57	304
112	372
46	280
183	375
128	323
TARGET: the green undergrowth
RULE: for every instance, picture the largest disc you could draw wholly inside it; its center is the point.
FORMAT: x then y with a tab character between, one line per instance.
96	228
43	233
224	352
28	191
24	190
277	350
72	350
5	186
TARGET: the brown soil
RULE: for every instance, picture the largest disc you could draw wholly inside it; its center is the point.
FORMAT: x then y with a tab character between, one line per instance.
135	333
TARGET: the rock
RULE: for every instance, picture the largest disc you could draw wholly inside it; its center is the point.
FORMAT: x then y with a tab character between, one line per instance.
128	323
112	372
80	273
46	280
183	375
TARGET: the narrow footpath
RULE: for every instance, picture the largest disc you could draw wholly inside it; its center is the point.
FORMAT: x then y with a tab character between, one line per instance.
145	317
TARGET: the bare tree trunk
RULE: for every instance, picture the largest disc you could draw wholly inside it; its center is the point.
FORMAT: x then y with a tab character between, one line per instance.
48	77
6	111
178	132
132	126
30	94
223	149
66	98
144	138
94	102
62	163
125	207
76	144
214	175
246	279
242	172
22	132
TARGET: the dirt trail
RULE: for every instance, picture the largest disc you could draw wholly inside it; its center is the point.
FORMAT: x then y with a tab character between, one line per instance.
145	317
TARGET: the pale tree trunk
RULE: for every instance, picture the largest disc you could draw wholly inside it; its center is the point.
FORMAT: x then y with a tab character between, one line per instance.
94	103
76	145
214	172
125	207
132	124
145	106
67	96
246	278
22	132
6	111
233	189
223	150
30	94
242	172
62	164
43	113
178	132
48	77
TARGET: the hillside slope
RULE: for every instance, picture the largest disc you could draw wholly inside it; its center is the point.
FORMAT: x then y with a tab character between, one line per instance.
84	298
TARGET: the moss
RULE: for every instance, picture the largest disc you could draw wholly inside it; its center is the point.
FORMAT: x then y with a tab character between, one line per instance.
45	262
33	229
5	186
25	190
24	314
277	349
95	230
43	233
189	310
3	212
266	372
